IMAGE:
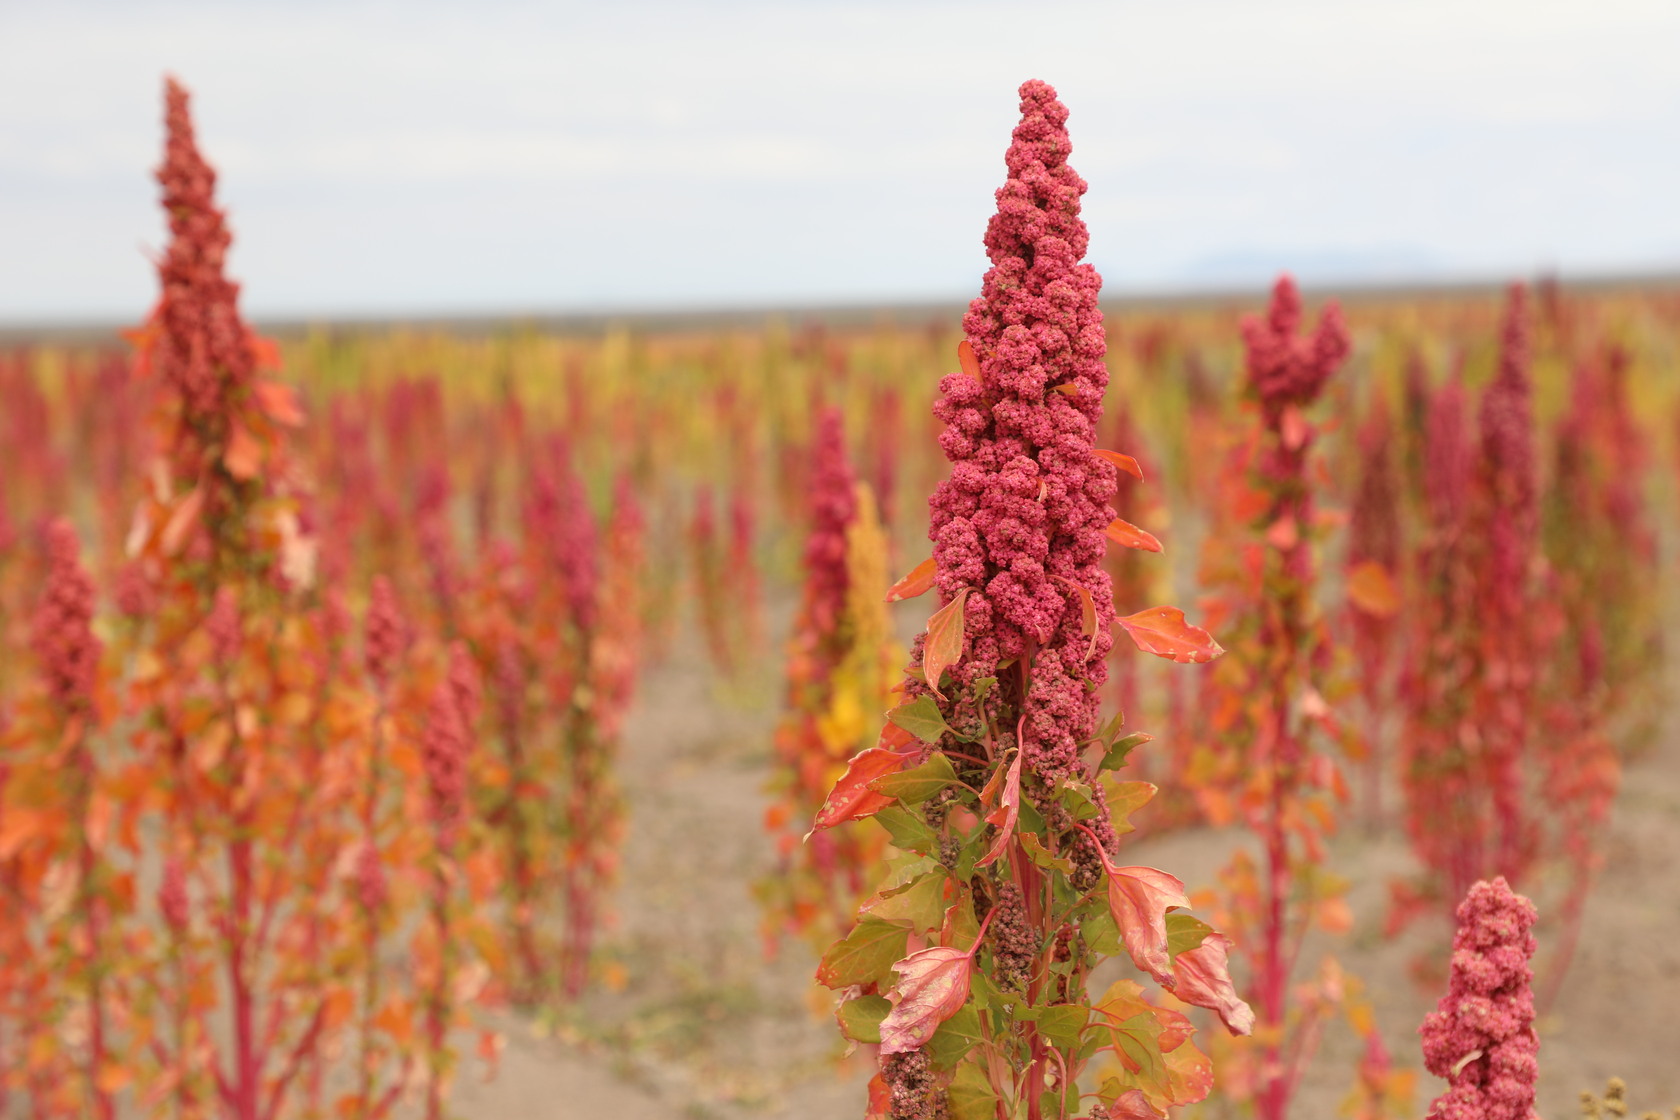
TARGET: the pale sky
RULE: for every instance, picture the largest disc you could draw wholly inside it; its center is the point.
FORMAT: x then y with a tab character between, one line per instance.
419	157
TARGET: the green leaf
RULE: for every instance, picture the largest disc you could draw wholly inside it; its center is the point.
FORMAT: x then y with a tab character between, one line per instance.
1124	799
921	717
864	956
1063	1024
970	1096
907	829
1185	932
1106	734
1138	1042
955	1037
860	1018
1076	796
981	689
1099	931
921	904
914	786
1039	854
1115	756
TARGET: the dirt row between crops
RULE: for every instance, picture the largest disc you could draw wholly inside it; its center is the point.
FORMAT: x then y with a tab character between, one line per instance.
703	1026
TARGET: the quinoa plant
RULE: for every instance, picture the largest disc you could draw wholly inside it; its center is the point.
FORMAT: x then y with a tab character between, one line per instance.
841	663
968	967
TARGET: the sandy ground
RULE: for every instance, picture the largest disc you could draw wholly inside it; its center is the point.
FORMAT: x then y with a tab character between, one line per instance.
703	1026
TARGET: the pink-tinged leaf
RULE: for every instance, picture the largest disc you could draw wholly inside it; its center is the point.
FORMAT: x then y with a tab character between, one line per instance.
932	986
181	522
1133	1105
1139	898
1164	632
1124	532
851	798
1371	589
1284	534
1203	977
970	361
1292	427
914	584
278	402
1124	462
1007	811
944	645
244	455
265	352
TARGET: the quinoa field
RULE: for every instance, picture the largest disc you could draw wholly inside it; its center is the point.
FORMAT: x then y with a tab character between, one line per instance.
1054	708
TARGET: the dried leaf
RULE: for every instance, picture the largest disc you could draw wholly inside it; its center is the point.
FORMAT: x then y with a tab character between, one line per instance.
1203	977
1007	811
1164	632
1371	589
1124	532
944	645
932	986
916	583
851	798
1124	462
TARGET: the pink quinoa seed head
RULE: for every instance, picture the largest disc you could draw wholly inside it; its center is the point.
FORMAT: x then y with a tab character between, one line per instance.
1481	1036
1020	520
62	630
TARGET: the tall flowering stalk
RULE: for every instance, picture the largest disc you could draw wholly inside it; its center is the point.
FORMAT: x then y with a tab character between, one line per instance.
1373	571
1440	775
968	967
222	696
840	667
1270	698
1481	1036
1508	527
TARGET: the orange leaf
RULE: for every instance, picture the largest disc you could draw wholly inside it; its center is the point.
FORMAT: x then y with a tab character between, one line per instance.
265	352
914	584
1371	589
1124	532
1087	618
851	798
1202	977
1008	808
1164	632
1068	389
1124	462
278	402
970	363
944	646
1284	534
880	1100
1139	898
932	986
181	521
244	455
